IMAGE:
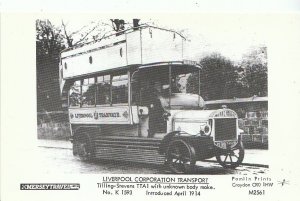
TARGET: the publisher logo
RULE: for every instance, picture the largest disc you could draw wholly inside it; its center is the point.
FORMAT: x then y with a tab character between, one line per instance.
52	186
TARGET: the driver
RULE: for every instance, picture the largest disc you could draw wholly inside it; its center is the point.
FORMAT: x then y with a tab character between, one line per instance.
151	98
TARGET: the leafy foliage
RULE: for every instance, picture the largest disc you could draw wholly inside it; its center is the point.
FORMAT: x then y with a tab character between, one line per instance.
49	43
221	79
256	72
218	78
257	79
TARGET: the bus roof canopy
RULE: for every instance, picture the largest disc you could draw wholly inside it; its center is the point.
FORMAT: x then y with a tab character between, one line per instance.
144	46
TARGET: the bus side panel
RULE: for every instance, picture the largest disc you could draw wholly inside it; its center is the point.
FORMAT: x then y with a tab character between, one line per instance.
160	46
95	61
134	48
100	115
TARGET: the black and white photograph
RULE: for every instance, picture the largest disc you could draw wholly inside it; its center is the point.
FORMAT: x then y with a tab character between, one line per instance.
151	96
167	104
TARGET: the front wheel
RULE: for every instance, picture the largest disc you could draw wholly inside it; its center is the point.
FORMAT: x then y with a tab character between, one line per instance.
180	157
231	158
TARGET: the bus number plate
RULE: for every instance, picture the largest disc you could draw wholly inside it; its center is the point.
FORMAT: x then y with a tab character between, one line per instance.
225	144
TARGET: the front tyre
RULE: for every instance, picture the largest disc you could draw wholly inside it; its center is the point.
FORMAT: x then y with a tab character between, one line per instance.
180	157
231	158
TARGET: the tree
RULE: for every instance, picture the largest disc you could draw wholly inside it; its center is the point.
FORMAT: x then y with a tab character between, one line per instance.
256	71
88	33
221	79
95	31
49	43
48	39
218	78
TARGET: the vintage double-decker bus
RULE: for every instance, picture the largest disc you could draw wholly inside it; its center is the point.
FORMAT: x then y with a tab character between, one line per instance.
133	96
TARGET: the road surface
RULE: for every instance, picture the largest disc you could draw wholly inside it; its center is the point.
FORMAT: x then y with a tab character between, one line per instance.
59	159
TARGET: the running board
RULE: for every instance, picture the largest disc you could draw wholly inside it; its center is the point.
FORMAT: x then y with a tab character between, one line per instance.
130	149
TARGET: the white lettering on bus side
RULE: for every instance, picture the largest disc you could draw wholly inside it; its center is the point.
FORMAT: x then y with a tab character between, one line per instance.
79	116
115	114
90	115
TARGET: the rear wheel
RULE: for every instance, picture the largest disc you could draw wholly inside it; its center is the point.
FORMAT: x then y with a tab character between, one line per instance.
83	147
231	158
180	157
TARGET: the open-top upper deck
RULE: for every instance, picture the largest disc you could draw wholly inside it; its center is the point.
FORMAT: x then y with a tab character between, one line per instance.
141	46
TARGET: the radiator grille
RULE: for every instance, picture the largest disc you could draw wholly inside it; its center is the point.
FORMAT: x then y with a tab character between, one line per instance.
225	129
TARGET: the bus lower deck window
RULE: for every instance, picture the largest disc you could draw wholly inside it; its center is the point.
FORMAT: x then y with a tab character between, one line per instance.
88	92
103	90
103	93
120	89
75	94
88	95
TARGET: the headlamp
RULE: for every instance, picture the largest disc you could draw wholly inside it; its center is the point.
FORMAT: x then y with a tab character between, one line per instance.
205	129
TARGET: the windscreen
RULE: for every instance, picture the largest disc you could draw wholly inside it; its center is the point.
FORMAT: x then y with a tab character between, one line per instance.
185	80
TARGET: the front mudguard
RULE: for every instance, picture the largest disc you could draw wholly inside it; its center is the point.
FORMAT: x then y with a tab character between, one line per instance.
164	144
203	145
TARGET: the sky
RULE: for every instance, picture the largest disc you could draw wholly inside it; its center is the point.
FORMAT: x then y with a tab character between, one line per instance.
152	6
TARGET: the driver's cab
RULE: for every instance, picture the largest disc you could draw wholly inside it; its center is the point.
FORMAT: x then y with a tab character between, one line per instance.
163	89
